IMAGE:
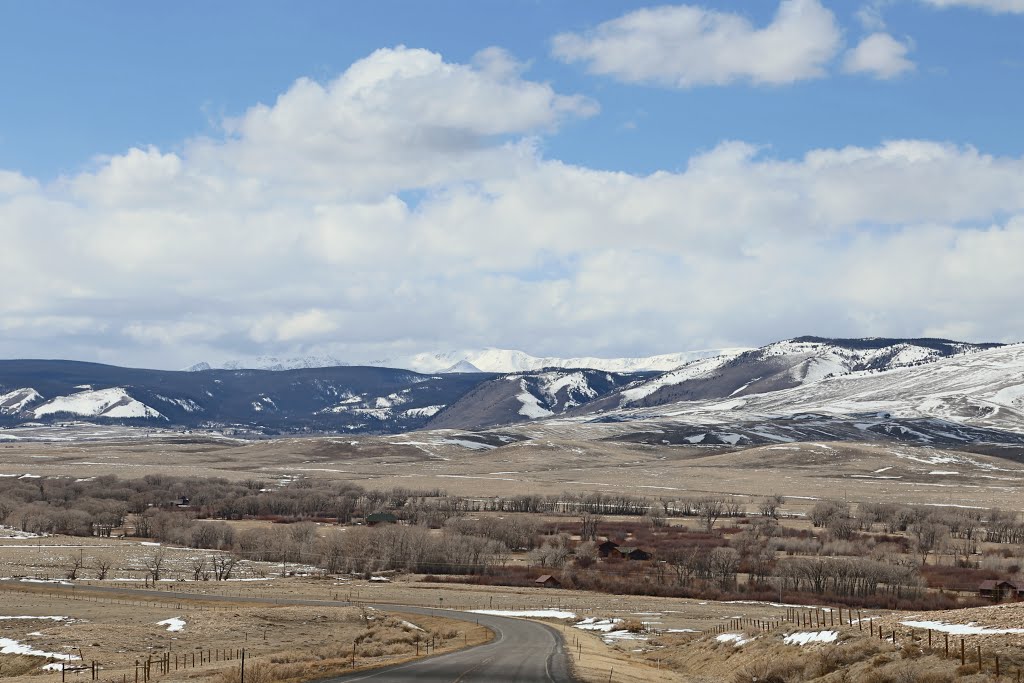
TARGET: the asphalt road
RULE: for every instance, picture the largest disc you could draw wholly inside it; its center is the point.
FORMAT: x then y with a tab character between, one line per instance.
521	651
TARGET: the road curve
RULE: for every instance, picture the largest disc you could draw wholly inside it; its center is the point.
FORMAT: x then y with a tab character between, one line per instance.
521	651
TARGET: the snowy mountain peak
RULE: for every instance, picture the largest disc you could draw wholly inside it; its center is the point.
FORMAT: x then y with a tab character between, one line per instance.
790	363
15	401
271	363
508	360
114	403
461	366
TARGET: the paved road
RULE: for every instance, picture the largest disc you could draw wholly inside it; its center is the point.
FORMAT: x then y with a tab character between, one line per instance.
521	651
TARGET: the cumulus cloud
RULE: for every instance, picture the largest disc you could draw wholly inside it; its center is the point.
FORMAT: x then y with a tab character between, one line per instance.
683	46
879	55
994	6
289	234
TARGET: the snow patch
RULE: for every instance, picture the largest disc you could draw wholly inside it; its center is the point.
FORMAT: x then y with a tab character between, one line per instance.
969	629
809	637
173	624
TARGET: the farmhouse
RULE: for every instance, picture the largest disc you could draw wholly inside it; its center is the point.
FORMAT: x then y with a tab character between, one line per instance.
381	518
606	548
1000	590
548	581
630	553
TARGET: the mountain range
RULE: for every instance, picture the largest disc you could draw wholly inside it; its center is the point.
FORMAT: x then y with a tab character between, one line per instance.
923	390
472	360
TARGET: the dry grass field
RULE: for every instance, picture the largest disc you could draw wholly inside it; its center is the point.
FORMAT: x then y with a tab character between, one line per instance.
290	642
678	639
557	460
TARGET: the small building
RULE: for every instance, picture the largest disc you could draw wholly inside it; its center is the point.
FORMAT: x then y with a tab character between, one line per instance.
1000	590
181	502
548	581
606	548
630	553
381	518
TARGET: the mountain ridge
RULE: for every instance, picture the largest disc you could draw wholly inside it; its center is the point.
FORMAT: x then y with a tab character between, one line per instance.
945	381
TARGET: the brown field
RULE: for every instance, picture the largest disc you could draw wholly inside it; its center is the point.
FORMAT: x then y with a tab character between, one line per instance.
294	641
550	465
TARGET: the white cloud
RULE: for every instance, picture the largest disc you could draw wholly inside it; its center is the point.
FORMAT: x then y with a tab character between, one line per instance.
164	259
879	55
994	6
683	46
870	15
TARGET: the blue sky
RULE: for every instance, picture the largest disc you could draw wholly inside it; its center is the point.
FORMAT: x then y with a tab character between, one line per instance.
83	79
85	84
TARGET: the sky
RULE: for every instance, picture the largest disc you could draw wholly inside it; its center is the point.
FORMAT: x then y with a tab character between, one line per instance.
205	181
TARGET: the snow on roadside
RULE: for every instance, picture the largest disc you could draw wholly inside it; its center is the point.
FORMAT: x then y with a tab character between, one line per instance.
737	639
968	629
173	624
410	625
608	628
2	618
808	637
597	624
528	613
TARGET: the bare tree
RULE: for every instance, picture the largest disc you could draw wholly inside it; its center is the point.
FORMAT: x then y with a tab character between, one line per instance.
223	565
103	564
199	571
588	526
709	509
75	563
155	563
770	505
928	536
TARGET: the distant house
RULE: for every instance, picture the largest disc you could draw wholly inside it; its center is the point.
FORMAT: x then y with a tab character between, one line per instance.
1001	590
630	553
181	502
548	581
381	518
606	548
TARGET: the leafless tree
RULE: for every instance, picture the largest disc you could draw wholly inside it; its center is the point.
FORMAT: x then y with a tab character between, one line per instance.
588	526
102	564
155	564
709	509
223	565
199	570
75	562
769	506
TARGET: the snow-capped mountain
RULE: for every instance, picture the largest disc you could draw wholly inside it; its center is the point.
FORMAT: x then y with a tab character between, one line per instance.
271	363
13	402
921	390
979	387
787	364
501	361
113	403
506	361
331	399
525	396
